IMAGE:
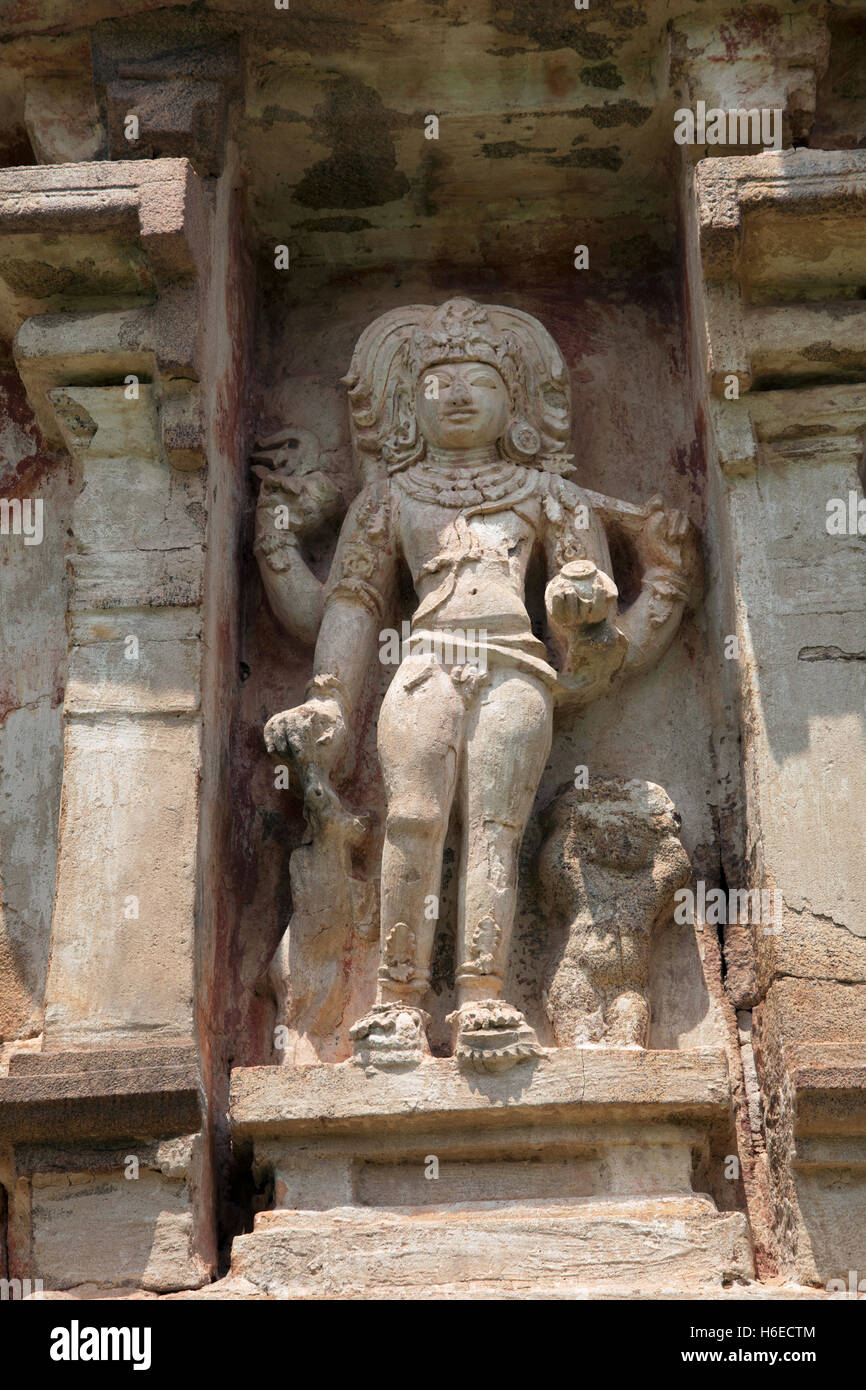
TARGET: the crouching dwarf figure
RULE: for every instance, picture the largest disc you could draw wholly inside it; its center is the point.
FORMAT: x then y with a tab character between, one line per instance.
461	420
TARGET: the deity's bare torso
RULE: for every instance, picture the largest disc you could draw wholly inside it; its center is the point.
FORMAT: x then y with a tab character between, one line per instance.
468	550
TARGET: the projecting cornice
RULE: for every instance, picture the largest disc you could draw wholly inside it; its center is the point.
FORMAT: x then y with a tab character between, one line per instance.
781	243
123	245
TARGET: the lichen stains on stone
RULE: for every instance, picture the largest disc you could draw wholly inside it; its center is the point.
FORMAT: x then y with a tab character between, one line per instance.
35	277
334	224
607	157
552	27
282	114
829	654
362	169
115	273
825	352
615	113
434	161
507	149
603	75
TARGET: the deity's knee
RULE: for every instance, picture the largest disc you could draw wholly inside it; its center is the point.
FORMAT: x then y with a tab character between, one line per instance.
424	820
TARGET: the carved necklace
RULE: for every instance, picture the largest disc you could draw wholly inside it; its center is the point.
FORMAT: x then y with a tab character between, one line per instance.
462	487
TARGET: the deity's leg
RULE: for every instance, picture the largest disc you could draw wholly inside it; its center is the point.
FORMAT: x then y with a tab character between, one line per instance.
508	738
628	1016
420	732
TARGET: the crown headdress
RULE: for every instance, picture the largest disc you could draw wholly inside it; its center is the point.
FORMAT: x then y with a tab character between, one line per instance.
398	346
461	331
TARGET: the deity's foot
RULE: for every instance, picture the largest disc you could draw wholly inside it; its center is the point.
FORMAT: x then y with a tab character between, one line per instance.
492	1036
391	1035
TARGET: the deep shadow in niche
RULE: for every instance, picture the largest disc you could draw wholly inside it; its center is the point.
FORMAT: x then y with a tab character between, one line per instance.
4	1233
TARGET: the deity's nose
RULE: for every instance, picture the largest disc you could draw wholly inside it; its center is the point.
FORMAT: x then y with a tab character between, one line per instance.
460	392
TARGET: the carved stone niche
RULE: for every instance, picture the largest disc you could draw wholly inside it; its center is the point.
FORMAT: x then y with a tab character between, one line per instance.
467	497
543	1100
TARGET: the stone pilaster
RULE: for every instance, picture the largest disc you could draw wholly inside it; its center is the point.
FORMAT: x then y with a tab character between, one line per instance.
122	946
128	336
777	270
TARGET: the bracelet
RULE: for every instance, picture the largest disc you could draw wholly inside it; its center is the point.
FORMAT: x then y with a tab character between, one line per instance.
357	590
666	583
269	547
328	684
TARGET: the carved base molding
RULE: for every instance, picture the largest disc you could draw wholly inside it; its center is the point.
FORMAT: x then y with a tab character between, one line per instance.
102	1095
497	1248
586	1167
102	1152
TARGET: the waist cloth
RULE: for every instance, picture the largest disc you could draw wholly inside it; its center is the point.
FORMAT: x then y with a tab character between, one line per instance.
474	646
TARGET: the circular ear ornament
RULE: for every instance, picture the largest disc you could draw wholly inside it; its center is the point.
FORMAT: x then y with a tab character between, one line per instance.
522	442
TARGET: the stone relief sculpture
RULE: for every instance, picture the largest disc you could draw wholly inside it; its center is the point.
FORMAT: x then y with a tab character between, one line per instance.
609	868
461	421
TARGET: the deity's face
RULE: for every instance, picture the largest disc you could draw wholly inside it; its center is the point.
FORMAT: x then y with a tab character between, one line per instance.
462	405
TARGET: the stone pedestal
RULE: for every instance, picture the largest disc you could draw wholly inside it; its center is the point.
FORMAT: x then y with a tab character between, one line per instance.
587	1169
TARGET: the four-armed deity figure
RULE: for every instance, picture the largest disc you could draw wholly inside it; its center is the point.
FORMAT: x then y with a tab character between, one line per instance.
461	419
